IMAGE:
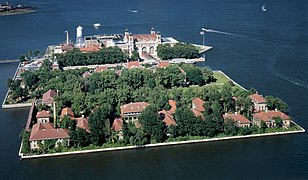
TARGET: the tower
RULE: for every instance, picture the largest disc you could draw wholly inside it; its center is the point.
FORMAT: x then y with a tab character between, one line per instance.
79	39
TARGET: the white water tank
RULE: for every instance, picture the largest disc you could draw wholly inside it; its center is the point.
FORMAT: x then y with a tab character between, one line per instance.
79	31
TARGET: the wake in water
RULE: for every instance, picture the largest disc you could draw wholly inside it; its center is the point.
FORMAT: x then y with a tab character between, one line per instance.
222	32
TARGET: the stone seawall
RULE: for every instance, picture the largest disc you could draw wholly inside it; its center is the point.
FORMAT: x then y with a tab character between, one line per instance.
161	144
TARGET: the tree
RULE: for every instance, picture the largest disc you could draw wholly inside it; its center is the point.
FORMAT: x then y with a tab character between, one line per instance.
185	120
276	103
68	123
99	123
25	142
152	125
193	74
230	128
140	138
278	121
79	138
263	126
30	79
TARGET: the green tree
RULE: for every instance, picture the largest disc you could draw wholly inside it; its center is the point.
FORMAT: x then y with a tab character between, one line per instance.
79	137
25	142
99	123
30	79
278	121
230	128
152	125
276	103
186	121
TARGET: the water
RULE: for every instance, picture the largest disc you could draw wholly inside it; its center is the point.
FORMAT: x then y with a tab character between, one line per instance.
265	50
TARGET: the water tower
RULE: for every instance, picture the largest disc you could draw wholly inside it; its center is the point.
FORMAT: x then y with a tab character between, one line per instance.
79	39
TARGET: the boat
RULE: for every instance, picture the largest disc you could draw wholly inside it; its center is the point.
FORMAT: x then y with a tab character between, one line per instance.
96	25
263	8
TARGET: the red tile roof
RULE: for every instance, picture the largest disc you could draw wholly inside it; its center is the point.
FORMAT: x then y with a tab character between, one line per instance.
133	107
100	68
83	123
168	119
90	48
44	131
268	116
133	64
163	64
236	118
172	103
145	37
42	114
49	96
117	124
198	103
67	111
256	98
197	113
86	74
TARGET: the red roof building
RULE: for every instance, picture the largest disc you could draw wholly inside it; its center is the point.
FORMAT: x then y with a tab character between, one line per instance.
268	118
197	113
67	111
100	68
145	37
172	103
259	102
167	118
197	104
163	64
239	119
42	116
131	111
83	123
48	97
117	124
46	131
90	48
133	64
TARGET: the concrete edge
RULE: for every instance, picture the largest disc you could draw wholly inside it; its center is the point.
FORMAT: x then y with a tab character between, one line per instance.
158	144
230	79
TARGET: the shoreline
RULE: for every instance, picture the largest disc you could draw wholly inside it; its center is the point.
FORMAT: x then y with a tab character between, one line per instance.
160	144
17	13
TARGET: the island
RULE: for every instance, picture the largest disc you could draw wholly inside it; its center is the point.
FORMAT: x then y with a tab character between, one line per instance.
8	9
115	92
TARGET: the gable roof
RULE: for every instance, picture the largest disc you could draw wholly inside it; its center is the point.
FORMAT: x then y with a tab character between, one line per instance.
49	96
90	48
163	64
236	118
172	103
256	98
145	37
67	111
198	103
117	124
268	116
197	113
168	119
44	131
133	64
100	68
83	123
42	114
133	107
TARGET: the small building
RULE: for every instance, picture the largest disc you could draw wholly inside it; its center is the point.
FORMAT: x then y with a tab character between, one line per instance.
100	68
86	74
259	102
117	126
83	123
268	118
90	48
43	116
48	97
172	103
163	64
167	118
240	120
197	104
67	112
197	113
133	64
45	131
131	111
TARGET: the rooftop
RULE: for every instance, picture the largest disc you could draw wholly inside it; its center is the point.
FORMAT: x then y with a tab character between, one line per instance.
236	118
268	116
256	98
44	131
133	107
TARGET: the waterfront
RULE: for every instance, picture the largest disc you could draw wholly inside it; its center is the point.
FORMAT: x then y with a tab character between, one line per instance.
273	59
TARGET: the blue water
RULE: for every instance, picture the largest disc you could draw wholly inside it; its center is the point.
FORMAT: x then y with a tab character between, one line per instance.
265	50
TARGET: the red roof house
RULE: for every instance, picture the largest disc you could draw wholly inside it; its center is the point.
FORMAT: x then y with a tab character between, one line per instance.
163	64
67	111
83	123
117	124
197	104
133	64
239	119
167	118
48	97
172	103
268	118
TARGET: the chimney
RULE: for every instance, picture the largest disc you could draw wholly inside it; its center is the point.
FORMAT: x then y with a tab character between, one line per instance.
67	39
82	116
54	114
235	113
152	31
266	109
276	109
